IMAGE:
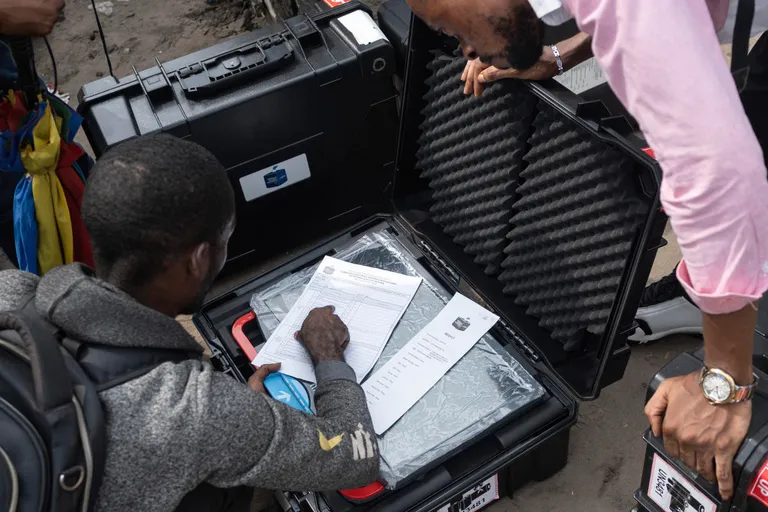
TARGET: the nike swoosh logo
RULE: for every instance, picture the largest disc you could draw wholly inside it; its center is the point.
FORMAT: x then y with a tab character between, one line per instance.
329	444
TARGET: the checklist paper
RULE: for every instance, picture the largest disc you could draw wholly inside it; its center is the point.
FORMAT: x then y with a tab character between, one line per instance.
369	301
422	362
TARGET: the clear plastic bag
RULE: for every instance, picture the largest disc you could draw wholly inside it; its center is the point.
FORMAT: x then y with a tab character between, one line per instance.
485	387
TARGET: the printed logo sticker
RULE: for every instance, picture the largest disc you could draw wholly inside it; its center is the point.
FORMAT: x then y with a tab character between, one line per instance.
275	177
671	491
329	444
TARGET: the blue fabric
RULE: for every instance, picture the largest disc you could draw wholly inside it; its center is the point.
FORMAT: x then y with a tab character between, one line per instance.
25	226
10	156
7	64
78	171
85	164
10	143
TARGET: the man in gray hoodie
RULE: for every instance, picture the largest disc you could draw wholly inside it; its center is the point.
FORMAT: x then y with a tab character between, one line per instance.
160	212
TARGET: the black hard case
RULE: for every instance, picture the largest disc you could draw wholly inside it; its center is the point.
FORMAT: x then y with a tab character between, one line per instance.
528	448
315	92
753	453
532	447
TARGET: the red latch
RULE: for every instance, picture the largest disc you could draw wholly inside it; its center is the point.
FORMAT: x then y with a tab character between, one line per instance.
759	489
334	3
363	493
242	340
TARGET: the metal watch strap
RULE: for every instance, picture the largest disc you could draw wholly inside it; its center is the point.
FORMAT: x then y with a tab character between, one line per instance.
740	393
558	60
744	393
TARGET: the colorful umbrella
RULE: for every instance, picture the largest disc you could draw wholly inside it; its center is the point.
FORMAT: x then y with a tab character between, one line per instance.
48	229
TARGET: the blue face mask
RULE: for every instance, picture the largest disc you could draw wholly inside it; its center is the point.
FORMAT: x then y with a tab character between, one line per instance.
551	12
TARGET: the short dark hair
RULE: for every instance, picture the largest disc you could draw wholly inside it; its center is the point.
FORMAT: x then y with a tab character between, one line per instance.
149	198
523	33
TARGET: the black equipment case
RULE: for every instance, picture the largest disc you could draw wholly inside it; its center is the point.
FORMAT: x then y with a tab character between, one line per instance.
668	485
395	22
540	206
303	117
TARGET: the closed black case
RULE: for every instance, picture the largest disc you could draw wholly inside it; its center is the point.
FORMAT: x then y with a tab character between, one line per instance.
303	96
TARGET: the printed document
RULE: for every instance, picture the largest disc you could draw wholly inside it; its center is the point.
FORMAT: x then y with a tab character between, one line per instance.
369	301
404	379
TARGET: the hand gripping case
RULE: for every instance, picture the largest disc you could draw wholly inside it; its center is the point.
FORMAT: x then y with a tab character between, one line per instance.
668	485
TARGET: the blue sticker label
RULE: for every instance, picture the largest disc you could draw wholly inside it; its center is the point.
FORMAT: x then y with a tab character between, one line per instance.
276	177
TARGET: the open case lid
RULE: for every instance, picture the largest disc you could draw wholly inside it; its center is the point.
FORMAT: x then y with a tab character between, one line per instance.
541	203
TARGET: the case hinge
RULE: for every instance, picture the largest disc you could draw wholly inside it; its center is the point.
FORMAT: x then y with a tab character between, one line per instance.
520	343
440	262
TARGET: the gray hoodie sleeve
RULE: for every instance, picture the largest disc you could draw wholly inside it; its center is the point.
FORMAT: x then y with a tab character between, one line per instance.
251	439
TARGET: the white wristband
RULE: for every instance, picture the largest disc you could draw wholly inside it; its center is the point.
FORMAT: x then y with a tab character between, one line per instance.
558	60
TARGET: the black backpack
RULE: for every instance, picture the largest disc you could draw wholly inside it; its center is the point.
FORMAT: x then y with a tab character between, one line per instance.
52	424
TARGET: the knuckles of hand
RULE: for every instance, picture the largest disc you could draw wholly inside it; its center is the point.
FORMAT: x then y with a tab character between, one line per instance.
703	436
324	334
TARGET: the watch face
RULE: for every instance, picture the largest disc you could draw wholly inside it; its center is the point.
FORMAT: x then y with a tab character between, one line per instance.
716	387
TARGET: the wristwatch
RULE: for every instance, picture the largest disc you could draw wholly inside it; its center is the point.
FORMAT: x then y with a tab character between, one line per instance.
720	388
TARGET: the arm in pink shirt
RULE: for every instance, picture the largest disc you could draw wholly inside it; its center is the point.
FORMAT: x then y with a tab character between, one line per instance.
663	60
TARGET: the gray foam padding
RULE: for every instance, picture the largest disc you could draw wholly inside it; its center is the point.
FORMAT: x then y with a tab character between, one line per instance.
573	228
471	151
537	200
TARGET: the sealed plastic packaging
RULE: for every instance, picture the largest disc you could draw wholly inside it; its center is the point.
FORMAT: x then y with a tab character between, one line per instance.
485	387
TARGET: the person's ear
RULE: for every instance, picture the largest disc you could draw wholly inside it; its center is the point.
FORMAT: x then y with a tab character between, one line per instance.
200	261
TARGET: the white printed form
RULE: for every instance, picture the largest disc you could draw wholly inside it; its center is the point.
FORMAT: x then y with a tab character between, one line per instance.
369	301
404	379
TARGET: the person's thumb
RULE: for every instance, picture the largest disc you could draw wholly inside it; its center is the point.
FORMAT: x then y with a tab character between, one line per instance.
493	73
655	409
272	367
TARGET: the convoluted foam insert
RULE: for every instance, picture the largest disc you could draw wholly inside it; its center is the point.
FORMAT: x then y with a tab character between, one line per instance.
545	205
471	150
573	228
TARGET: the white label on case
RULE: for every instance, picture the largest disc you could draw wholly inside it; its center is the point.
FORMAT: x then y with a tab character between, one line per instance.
275	177
673	492
476	498
363	28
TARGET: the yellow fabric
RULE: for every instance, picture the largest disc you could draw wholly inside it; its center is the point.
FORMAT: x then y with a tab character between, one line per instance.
55	244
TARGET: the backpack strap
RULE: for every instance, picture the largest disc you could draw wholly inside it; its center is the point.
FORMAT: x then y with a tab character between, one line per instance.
104	365
109	366
742	28
52	383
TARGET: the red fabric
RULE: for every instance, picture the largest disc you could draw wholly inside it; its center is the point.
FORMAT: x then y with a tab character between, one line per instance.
74	188
12	117
5	109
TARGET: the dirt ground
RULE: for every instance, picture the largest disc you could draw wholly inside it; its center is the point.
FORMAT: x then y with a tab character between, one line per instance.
606	449
137	32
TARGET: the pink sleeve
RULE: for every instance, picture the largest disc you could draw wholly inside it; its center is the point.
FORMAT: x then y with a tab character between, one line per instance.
663	60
